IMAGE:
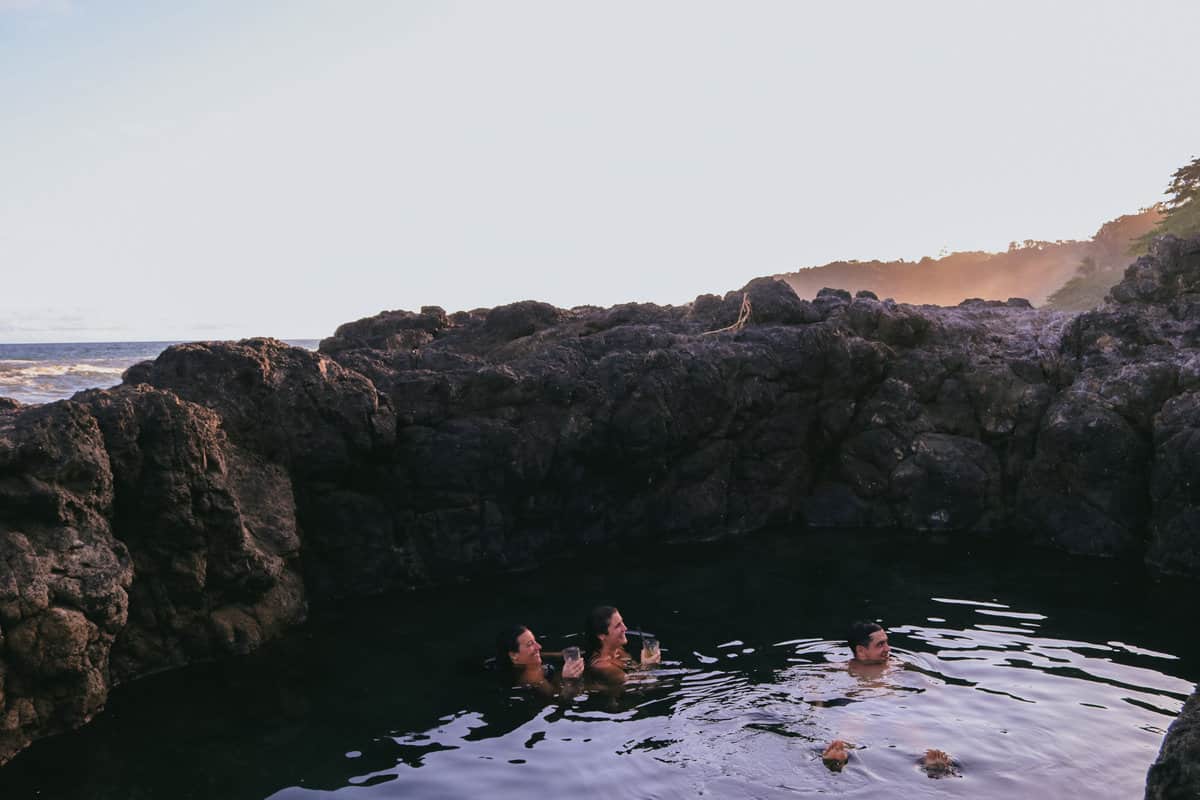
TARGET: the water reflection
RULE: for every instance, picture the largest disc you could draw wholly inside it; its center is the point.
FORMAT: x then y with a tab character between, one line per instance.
955	694
1028	692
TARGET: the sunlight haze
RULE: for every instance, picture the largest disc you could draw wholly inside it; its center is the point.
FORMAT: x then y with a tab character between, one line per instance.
202	171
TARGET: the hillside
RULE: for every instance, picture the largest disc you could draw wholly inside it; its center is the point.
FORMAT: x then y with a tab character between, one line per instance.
1030	269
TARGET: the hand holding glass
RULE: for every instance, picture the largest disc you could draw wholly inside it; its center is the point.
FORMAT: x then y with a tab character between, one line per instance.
651	653
572	662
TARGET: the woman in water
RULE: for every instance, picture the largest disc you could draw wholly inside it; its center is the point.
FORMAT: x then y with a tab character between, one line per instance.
519	654
604	635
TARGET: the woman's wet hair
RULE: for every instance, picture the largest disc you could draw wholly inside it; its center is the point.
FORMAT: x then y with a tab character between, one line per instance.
506	642
860	634
595	624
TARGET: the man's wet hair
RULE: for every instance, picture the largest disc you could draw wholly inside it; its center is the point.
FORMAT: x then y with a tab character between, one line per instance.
595	625
860	634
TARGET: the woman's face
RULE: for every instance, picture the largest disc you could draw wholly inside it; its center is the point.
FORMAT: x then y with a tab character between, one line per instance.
615	635
528	652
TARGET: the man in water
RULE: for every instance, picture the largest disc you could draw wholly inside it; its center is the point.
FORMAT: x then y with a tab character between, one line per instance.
870	652
868	644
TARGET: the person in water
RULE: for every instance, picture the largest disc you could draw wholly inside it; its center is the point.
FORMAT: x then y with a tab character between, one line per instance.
868	644
520	654
604	639
870	652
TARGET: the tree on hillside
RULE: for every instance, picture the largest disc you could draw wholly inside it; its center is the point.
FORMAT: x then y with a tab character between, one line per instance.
1030	268
1085	290
1105	260
1181	213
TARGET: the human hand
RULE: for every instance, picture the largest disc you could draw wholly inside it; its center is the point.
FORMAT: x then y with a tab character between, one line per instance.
937	763
932	755
836	756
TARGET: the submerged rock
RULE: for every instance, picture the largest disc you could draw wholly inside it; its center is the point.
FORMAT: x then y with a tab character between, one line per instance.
198	509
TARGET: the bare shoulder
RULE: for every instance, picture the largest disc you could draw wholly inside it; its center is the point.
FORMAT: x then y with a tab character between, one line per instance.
607	669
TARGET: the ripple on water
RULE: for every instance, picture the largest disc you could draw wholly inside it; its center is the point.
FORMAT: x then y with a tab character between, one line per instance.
1032	694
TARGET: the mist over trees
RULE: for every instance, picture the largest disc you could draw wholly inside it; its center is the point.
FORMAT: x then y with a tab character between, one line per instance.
1179	216
1062	275
1101	269
1031	269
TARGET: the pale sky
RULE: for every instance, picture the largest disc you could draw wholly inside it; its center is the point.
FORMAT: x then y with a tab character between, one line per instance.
229	168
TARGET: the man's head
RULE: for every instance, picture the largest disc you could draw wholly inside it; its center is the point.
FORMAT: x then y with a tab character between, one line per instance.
603	628
869	643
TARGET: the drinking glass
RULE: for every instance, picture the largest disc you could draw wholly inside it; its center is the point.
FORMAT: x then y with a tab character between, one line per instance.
650	649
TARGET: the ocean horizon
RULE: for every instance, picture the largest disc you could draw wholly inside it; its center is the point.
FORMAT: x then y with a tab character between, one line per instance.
44	372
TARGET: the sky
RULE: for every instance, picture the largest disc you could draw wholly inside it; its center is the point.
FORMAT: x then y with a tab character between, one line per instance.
229	169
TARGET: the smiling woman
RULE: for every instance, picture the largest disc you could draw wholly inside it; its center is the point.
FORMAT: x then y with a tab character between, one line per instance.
519	660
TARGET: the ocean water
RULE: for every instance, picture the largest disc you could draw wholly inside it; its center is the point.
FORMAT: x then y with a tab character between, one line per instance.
42	373
1041	674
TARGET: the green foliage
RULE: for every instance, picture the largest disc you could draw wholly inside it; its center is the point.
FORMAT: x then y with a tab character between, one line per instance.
1104	262
1181	213
1083	291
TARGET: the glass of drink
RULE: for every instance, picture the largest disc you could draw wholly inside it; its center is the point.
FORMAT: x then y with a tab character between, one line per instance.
651	654
571	654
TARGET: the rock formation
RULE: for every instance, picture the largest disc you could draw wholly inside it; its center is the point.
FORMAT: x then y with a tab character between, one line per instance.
1175	775
198	509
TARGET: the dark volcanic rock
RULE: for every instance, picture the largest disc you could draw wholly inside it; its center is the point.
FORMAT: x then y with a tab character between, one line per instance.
288	404
312	433
389	330
518	320
1085	488
198	509
211	529
1175	774
63	576
1133	367
1175	487
949	483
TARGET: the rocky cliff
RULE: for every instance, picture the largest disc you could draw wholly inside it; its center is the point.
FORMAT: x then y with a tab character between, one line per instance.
199	508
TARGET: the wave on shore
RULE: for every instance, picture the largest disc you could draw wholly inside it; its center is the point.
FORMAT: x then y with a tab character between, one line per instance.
43	373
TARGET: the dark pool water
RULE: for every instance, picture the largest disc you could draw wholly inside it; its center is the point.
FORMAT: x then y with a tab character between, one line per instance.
1044	676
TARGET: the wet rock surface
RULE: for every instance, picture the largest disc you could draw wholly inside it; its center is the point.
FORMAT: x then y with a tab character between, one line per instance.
1175	774
199	508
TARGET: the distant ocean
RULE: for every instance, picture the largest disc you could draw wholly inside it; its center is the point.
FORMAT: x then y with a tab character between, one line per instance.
41	373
